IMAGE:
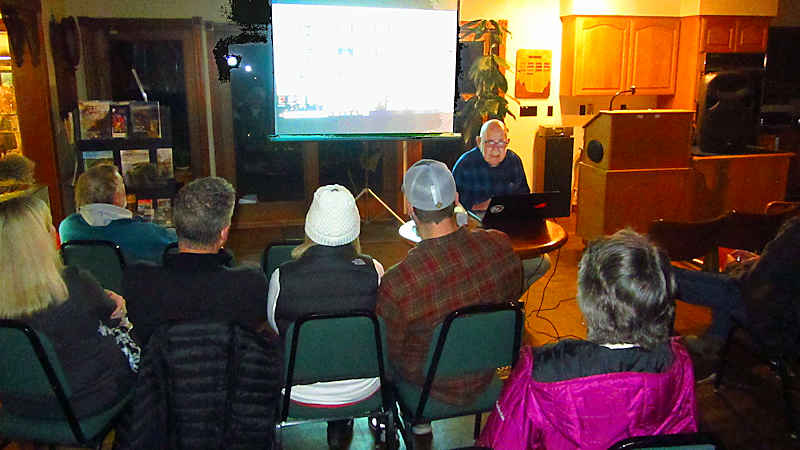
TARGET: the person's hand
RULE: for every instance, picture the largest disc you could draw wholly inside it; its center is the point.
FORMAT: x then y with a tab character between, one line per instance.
120	310
482	206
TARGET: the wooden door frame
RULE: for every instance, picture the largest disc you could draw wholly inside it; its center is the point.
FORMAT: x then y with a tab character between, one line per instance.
34	109
95	34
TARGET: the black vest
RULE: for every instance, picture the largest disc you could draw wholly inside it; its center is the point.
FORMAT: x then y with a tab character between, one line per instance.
325	279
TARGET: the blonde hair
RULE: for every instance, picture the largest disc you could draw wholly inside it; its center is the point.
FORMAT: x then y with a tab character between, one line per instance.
298	251
30	278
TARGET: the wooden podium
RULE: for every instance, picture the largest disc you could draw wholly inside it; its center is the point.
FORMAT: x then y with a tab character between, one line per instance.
634	168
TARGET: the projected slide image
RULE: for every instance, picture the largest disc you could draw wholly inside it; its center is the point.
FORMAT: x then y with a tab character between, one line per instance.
341	70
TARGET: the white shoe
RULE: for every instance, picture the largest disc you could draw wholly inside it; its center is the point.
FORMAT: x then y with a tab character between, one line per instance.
422	428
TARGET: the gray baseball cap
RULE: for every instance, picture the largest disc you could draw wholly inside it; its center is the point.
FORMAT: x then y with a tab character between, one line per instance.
429	185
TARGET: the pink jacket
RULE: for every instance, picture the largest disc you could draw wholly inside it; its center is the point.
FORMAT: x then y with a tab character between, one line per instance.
591	412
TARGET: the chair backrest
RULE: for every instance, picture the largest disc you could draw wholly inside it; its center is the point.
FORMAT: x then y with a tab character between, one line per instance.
749	231
103	259
472	339
685	241
276	253
332	346
29	368
682	441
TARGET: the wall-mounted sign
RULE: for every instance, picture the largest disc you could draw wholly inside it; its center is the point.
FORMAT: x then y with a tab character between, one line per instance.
533	73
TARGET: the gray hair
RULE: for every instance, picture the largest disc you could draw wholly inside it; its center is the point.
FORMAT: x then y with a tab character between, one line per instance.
626	291
99	184
202	209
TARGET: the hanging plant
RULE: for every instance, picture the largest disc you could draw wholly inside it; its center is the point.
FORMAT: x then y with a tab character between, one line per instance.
488	75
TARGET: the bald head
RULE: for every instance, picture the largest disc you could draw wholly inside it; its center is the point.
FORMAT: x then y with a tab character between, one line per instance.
493	142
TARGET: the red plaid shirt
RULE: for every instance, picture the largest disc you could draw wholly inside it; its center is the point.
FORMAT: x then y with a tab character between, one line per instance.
437	277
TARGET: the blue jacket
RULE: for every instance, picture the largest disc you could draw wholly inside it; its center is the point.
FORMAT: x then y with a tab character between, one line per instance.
137	239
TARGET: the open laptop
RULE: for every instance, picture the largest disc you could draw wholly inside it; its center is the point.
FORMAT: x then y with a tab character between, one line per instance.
520	212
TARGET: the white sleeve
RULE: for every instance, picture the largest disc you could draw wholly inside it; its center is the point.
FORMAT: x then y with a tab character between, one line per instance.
379	269
272	298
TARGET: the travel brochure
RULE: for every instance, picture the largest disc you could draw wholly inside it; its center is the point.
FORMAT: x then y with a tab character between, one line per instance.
104	119
133	161
91	159
164	162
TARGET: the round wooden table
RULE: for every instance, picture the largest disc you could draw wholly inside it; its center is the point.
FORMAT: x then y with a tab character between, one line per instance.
528	242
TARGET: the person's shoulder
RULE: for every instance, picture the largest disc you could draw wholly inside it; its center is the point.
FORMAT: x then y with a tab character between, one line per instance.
246	272
467	157
492	235
513	156
71	222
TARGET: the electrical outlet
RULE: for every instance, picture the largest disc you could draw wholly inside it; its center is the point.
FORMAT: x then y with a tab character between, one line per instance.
527	111
590	108
582	110
550	111
623	106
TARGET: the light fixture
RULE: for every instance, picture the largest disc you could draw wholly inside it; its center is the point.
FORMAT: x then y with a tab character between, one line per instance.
233	60
248	68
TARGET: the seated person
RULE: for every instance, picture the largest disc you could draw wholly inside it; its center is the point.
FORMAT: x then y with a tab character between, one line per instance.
627	379
762	291
328	274
492	169
100	199
16	173
452	267
197	283
489	169
63	303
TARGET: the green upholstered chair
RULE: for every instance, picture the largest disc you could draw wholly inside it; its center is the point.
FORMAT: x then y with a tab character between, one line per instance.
682	441
331	347
277	253
103	259
473	339
29	368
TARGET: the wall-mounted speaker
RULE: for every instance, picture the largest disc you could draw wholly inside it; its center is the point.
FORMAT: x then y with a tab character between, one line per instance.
728	111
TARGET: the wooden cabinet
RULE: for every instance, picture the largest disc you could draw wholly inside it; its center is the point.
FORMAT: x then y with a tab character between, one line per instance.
604	54
721	34
653	55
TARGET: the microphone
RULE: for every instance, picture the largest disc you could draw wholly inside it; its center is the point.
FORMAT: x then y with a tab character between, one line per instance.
631	90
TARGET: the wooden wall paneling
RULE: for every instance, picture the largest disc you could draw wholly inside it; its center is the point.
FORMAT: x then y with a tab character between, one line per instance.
745	183
310	151
221	107
34	110
689	67
610	200
196	99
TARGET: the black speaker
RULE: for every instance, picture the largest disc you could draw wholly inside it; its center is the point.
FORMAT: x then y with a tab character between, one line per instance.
728	112
558	171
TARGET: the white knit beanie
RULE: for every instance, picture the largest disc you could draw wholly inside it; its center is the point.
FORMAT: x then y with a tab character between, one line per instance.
333	217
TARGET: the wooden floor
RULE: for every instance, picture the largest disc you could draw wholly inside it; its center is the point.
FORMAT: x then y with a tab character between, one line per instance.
746	414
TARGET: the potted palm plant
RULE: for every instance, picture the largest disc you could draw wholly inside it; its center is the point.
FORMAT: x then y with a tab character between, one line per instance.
487	73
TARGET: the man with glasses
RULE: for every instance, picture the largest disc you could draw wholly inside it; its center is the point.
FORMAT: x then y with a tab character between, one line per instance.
489	169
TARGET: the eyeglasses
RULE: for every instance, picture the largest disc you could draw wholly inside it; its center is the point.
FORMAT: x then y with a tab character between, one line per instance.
497	143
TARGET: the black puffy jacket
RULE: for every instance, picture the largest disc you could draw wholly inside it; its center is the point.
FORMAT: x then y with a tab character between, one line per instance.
222	384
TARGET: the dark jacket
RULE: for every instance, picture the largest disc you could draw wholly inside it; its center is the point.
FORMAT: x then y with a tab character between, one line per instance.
325	279
204	386
771	291
193	287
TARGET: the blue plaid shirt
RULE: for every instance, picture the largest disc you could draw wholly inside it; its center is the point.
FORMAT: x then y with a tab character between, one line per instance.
476	181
